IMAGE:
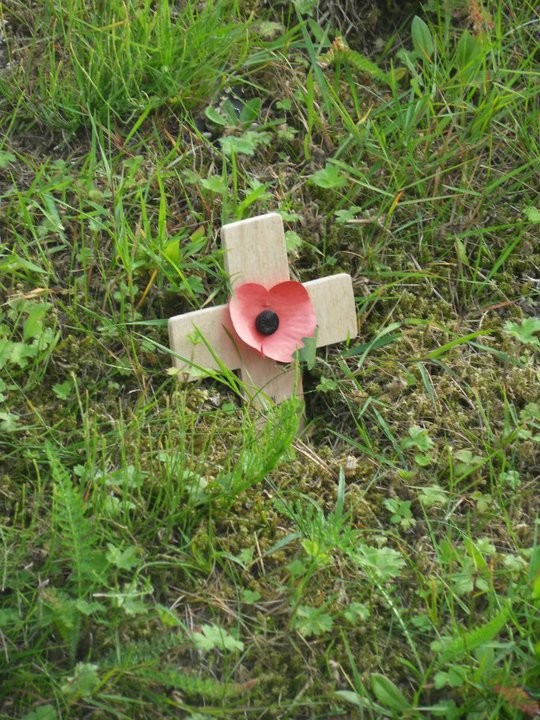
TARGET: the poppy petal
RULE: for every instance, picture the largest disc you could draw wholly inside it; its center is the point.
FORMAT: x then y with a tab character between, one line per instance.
247	302
291	301
292	304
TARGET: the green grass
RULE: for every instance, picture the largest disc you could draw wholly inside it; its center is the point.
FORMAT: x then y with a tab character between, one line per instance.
118	61
164	553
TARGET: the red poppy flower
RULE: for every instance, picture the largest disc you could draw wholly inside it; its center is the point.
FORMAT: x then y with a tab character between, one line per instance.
274	321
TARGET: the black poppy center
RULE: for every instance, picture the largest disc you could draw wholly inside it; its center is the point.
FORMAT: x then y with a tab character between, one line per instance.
267	322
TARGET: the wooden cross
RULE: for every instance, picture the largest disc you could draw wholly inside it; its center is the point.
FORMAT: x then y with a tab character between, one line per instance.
255	251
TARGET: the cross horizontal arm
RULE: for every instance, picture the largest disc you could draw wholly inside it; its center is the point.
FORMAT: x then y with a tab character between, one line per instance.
201	337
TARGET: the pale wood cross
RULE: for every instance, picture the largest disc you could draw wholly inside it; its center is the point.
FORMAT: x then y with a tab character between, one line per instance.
255	251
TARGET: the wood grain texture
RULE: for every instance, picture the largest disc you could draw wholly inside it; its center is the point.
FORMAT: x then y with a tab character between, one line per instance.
254	251
199	338
332	298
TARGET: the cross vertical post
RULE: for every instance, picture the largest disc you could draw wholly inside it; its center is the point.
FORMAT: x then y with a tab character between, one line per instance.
255	251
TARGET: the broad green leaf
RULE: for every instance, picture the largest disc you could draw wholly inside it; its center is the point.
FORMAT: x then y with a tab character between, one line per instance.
362	702
530	413
167	616
536	589
212	637
345	216
215	183
6	158
269	29
408	58
8	422
16	353
293	241
89	607
122	559
356	612
433	495
259	191
527	331
384	563
171	251
306	354
43	712
312	621
532	214
250	111
418	438
214	116
330	177
83	683
250	596
455	677
131	598
388	694
534	572
289	216
327	385
316	553
510	479
8	616
422	38
350	697
128	477
33	325
133	606
245	144
305	7
461	251
13	262
195	284
469	53
63	390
